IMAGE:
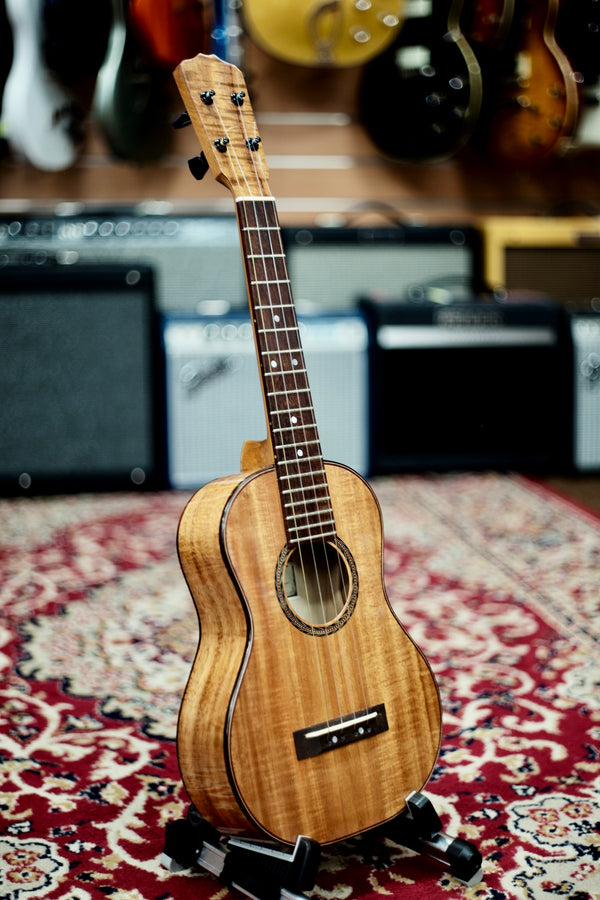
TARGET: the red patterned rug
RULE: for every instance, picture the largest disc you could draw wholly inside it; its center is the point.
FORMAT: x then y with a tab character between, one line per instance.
497	579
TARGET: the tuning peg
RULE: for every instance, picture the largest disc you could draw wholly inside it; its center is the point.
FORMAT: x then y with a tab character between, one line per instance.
182	120
198	166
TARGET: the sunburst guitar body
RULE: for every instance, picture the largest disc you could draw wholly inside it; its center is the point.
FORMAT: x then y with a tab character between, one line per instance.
537	104
309	710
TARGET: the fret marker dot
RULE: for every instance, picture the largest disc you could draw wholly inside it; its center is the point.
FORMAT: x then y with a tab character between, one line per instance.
293	420
276	318
273	364
300	453
294	362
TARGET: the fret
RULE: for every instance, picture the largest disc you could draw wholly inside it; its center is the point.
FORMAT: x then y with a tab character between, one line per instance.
295	445
271	281
299	461
260	228
299	528
307	538
283	428
316	517
288	476
292	410
290	428
318	486
265	255
270	307
305	390
303	522
283	329
274	373
305	502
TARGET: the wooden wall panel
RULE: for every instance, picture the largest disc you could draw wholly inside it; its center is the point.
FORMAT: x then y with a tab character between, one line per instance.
323	168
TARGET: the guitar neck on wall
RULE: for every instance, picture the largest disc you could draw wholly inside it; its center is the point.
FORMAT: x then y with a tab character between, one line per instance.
309	710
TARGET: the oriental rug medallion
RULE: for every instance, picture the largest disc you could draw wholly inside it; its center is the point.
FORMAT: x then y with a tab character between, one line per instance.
497	579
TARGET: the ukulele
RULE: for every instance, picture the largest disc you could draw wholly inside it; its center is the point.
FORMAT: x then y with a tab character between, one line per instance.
536	107
324	33
420	99
309	710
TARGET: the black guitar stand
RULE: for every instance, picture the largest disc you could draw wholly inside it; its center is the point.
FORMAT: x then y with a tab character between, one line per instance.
266	872
259	870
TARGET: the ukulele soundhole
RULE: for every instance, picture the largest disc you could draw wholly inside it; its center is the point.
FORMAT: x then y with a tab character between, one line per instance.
317	585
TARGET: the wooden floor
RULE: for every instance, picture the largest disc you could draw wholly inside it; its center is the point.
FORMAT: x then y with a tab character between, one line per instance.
583	489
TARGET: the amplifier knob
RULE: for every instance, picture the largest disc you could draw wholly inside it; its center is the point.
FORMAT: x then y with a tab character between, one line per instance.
590	367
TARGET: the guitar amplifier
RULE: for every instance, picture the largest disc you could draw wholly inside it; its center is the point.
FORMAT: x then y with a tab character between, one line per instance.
214	400
559	257
196	259
585	336
468	386
332	268
78	379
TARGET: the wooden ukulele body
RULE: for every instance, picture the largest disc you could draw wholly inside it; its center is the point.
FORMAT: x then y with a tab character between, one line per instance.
258	677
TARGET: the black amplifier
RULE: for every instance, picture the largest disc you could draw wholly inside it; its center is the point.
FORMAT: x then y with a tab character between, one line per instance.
80	380
468	385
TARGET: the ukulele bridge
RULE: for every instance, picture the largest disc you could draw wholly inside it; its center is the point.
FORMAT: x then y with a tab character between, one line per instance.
339	732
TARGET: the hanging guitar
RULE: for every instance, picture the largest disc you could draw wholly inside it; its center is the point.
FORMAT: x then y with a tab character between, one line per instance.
173	29
309	710
41	119
328	33
420	99
131	102
578	35
486	25
536	108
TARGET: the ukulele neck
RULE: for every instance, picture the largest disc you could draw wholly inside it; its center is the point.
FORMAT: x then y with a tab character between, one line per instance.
299	465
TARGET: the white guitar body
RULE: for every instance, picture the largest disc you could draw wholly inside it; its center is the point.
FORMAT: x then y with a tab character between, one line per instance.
38	114
587	134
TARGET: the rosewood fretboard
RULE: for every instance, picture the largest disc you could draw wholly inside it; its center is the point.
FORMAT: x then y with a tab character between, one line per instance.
299	463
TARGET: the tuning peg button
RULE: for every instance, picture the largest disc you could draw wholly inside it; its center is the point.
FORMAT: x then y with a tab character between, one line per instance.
198	166
182	120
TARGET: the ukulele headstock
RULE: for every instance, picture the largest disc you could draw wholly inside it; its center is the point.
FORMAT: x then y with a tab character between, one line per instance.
216	99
